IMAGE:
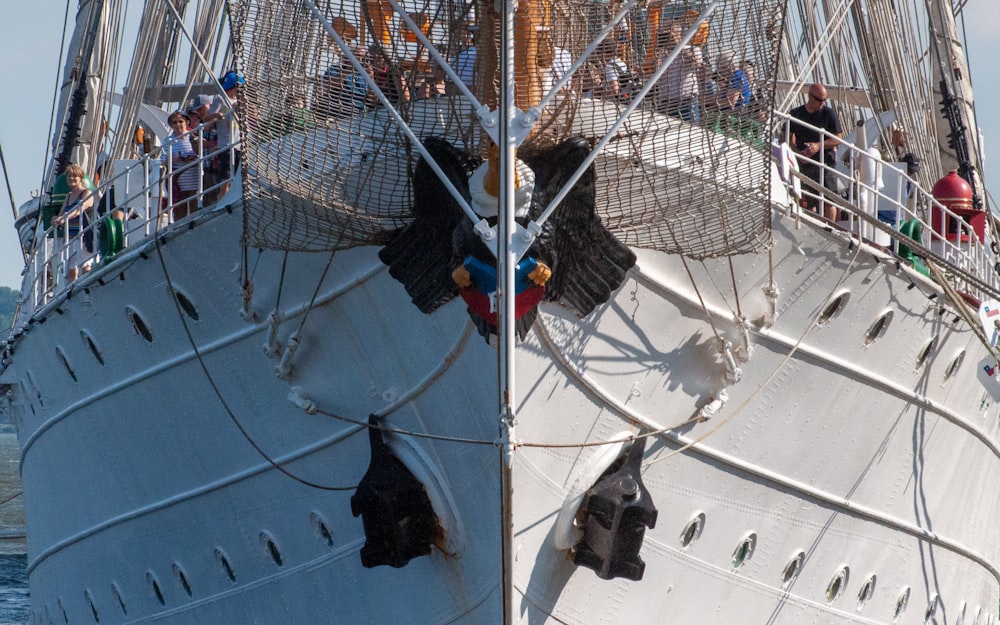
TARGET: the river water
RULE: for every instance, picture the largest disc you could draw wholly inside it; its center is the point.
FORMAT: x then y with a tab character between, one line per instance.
14	607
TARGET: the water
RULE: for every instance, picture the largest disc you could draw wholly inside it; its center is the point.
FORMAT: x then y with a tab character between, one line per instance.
14	606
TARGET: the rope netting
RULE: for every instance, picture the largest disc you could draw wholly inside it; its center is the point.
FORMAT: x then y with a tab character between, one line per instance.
326	164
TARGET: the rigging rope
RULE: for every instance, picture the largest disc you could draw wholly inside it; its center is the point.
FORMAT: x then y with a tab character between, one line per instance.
12	497
961	307
55	101
10	194
704	307
222	400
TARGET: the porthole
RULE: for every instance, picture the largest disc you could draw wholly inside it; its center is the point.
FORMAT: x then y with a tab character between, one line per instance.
901	603
791	570
833	308
155	585
93	608
926	352
744	550
271	548
117	593
954	365
89	342
223	560
321	528
867	590
186	305
182	579
931	607
61	355
139	324
877	329
693	529
837	585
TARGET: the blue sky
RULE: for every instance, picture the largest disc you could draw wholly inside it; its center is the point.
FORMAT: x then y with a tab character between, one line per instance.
30	35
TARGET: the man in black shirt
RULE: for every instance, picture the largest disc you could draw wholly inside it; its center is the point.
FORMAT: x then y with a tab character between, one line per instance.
805	142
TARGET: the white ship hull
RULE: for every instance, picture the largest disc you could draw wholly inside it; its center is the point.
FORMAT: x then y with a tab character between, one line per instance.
146	499
812	423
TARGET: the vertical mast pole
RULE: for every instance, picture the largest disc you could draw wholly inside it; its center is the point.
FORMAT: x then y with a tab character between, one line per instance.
505	302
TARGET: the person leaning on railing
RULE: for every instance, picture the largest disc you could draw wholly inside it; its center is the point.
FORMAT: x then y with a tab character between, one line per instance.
69	220
185	172
807	142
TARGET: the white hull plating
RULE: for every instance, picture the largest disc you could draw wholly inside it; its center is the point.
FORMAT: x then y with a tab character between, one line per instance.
153	493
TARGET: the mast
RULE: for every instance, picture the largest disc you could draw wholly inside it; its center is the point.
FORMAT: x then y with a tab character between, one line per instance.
953	95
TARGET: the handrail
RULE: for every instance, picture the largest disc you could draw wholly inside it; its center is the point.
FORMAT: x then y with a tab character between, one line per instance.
952	239
152	204
44	274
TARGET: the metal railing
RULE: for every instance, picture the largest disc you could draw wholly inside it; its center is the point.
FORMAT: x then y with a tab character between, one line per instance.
141	196
144	193
952	240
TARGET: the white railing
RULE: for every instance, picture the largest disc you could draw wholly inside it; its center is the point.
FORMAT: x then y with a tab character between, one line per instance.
141	196
944	232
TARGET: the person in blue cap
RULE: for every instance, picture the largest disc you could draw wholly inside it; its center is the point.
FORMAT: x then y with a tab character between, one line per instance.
227	129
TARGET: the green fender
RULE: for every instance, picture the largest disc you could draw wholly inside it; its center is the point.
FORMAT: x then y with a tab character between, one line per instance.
111	233
912	229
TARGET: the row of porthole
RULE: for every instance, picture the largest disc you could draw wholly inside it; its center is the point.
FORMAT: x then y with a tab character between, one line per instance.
838	584
138	323
270	546
142	328
743	552
878	329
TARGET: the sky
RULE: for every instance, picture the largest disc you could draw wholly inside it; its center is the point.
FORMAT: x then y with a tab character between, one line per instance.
30	37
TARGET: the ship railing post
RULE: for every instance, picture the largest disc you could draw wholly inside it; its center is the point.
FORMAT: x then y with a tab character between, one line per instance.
232	152
821	157
37	293
201	167
49	264
507	227
147	193
170	185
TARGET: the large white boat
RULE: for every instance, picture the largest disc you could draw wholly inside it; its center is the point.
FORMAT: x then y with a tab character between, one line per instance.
314	395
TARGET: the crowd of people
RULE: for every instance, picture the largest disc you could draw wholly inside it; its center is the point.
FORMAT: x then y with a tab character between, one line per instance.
689	89
203	148
199	156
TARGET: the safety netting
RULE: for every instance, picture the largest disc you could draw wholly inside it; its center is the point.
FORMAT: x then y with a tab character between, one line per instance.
676	96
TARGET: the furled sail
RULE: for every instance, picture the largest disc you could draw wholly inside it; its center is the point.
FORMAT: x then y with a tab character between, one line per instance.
953	95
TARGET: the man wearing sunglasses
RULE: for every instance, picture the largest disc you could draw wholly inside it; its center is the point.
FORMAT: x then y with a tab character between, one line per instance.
807	143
